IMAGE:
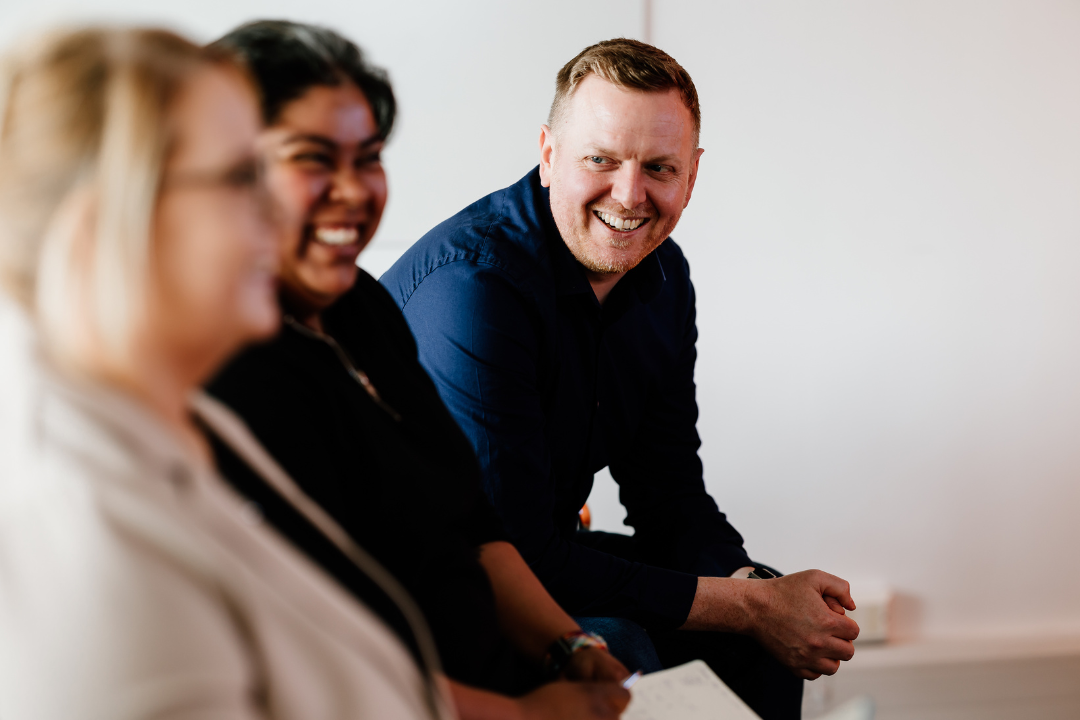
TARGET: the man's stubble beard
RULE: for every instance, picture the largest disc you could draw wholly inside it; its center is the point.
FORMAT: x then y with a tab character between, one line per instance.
574	230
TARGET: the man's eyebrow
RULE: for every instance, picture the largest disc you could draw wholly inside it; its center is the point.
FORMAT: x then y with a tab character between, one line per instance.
597	150
327	142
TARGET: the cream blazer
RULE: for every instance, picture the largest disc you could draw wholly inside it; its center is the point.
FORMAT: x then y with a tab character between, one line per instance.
135	584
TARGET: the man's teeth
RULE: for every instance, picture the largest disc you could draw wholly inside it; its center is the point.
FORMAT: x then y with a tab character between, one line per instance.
620	224
337	236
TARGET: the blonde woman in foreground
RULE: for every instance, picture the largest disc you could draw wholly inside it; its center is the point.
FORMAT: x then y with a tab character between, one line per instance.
135	257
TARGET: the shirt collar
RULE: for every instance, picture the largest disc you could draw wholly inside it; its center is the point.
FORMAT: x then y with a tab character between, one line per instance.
569	275
648	277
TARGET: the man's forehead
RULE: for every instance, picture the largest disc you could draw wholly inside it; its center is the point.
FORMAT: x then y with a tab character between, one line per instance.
602	112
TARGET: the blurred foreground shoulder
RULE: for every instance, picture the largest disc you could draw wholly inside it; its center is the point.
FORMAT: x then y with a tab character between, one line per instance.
135	584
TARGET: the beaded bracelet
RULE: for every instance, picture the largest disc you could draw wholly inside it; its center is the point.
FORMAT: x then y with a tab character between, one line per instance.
560	652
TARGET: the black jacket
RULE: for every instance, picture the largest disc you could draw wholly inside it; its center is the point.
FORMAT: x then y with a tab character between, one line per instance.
394	470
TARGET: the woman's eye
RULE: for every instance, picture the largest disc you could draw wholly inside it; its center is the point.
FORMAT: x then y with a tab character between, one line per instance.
317	158
372	159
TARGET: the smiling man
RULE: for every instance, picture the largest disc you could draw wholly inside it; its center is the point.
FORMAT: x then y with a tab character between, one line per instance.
557	319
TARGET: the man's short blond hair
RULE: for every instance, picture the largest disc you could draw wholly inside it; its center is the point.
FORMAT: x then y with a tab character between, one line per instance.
628	64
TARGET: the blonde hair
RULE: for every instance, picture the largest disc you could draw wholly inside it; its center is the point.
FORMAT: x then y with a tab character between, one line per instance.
628	64
84	136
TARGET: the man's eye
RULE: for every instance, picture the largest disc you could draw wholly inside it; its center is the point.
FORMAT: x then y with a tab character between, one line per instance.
597	160
656	168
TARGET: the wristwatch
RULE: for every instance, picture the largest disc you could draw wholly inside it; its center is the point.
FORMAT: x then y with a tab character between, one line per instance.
560	651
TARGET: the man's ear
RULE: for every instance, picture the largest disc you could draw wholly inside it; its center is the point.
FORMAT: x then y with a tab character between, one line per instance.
547	149
693	176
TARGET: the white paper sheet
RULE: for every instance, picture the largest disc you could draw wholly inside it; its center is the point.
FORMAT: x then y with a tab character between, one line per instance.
687	692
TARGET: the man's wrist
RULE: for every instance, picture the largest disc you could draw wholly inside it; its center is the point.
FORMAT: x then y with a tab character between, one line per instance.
724	604
756	572
753	597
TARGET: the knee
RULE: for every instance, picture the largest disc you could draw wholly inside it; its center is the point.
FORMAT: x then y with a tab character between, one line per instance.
614	626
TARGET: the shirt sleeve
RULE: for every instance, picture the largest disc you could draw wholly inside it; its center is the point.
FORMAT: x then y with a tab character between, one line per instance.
660	475
480	523
479	341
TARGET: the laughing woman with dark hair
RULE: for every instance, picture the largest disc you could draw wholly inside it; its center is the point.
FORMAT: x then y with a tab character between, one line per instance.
341	401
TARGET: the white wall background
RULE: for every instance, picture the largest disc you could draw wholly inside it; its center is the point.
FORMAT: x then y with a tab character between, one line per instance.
474	79
885	239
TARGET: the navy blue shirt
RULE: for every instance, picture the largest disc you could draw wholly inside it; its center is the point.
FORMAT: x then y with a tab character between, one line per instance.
550	387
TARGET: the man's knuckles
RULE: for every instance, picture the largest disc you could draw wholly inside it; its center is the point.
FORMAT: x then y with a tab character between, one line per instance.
840	626
846	628
827	667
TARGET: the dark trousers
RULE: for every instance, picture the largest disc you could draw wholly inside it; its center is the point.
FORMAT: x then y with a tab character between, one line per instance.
768	687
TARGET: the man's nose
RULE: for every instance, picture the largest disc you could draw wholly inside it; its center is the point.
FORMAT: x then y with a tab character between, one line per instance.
348	188
629	187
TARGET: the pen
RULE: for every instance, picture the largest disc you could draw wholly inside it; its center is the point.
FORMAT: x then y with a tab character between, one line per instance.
629	682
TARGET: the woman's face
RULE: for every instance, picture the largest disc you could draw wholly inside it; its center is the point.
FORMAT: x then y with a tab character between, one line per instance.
325	172
214	253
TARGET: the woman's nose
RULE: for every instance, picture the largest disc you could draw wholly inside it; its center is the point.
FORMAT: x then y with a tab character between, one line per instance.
348	188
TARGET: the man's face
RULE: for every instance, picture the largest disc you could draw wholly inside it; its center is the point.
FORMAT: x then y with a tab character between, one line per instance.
621	167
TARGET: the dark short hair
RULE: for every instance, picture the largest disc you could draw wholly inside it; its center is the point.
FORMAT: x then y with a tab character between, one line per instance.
629	64
286	58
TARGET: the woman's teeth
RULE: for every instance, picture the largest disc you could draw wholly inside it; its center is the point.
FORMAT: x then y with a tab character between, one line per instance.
618	223
337	236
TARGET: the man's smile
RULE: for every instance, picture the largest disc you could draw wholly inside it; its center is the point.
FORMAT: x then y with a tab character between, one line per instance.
620	224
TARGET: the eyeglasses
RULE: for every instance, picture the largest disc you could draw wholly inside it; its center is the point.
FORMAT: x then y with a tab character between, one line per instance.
248	174
247	177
